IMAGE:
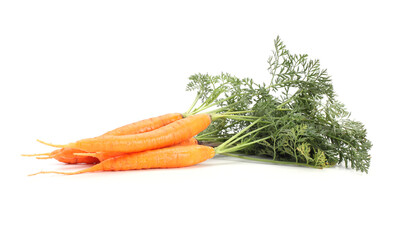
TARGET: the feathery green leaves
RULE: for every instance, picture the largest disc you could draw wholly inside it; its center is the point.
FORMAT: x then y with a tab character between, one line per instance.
302	122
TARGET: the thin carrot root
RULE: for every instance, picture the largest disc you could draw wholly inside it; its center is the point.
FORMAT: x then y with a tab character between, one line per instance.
50	144
65	173
49	157
35	155
94	168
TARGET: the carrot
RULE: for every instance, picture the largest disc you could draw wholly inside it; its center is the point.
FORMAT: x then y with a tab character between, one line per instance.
170	157
165	136
191	141
146	125
102	156
175	156
66	155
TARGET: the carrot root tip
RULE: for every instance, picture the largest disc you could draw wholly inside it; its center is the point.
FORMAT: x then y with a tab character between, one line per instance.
45	172
37	154
50	144
44	157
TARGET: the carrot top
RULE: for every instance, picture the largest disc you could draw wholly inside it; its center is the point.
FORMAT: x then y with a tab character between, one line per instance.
303	121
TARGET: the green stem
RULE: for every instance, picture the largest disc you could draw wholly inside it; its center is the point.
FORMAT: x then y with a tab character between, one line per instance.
218	109
238	147
206	105
289	100
198	109
226	143
227	113
237	117
247	134
212	139
278	84
193	104
208	133
270	160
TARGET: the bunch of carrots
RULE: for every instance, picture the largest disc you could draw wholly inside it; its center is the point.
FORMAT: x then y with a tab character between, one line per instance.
166	141
239	117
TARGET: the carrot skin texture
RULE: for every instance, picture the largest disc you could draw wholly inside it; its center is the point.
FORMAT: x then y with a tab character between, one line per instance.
171	157
102	156
165	136
191	141
66	155
145	125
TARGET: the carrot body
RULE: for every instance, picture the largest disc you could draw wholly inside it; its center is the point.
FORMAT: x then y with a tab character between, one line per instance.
66	155
165	136
145	125
191	141
171	157
102	156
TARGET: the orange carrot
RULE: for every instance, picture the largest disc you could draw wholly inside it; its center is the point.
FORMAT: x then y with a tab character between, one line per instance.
66	155
102	156
171	157
165	136
191	141
146	125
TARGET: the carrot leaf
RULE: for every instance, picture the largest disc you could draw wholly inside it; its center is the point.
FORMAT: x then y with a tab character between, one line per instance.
301	120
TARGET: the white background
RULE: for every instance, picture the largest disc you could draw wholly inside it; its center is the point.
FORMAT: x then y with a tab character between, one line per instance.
75	69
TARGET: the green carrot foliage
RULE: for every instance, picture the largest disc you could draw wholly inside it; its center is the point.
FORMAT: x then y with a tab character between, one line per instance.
301	119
